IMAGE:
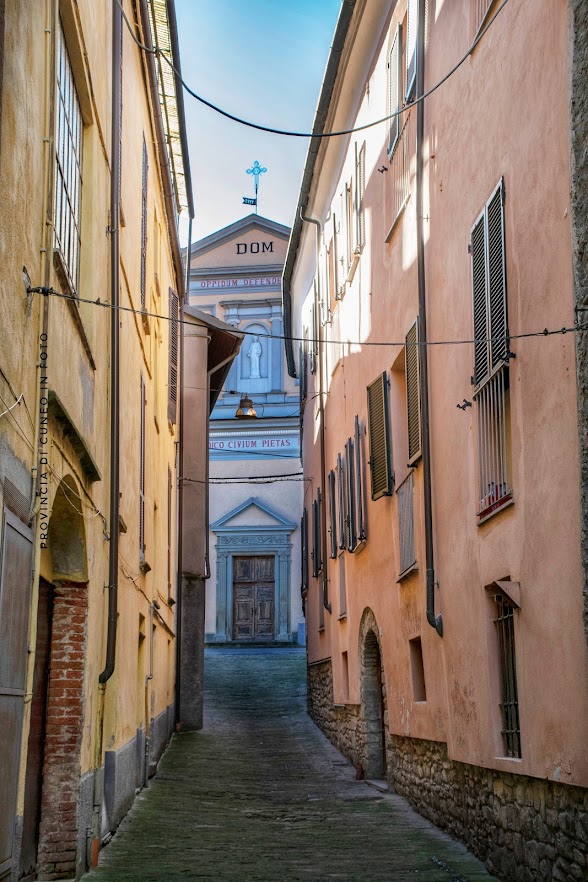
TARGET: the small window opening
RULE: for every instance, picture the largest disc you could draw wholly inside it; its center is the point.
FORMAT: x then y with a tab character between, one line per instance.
419	690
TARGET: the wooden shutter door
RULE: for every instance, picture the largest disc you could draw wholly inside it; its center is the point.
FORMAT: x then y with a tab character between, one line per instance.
478	246
332	516
15	585
351	501
380	454
412	23
413	398
144	226
359	482
394	89
497	278
172	401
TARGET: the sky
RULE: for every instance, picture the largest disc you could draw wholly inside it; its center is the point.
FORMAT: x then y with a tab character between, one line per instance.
262	60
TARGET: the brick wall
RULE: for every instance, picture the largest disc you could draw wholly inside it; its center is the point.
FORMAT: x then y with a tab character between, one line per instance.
525	829
61	770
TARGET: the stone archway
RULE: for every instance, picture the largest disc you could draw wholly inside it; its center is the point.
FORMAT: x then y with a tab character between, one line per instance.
60	852
373	699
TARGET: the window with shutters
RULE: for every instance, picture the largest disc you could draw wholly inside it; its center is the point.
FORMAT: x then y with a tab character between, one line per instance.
144	177
304	554
359	197
349	225
142	404
412	24
491	354
332	514
395	80
341	497
69	130
413	398
405	495
382	478
172	401
354	497
317	557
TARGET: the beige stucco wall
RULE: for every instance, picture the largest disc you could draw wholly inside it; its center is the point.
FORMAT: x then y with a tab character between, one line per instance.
477	129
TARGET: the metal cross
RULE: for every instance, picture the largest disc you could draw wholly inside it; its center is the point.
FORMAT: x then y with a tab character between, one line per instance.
256	170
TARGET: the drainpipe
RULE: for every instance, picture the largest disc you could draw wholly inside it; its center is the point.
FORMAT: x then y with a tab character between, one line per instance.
114	342
435	621
324	575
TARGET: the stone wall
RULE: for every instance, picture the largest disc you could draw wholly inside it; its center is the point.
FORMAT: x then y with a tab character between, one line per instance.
525	829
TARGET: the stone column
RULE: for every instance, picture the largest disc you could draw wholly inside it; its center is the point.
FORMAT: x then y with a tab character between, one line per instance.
277	325
284	595
221	595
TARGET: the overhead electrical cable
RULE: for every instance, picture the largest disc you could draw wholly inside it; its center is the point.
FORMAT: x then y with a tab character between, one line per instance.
294	134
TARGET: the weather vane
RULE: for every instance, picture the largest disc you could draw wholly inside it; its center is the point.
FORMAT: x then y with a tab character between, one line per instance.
256	170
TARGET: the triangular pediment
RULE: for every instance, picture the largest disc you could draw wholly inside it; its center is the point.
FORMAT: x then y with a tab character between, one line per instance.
252	228
252	513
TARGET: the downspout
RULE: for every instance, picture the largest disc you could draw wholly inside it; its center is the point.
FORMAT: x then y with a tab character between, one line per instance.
435	621
325	558
114	341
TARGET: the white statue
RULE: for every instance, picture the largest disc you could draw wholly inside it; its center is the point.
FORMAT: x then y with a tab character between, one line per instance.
254	355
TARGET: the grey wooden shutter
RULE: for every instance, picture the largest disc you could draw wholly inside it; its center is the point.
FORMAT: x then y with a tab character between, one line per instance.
332	515
497	278
380	455
313	338
359	482
341	503
413	398
302	372
169	532
349	223
172	399
304	552
335	260
15	584
412	16
317	562
142	471
481	346
144	226
351	501
394	89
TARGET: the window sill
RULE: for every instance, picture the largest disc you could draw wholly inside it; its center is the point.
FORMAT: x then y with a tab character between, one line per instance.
501	506
342	617
413	568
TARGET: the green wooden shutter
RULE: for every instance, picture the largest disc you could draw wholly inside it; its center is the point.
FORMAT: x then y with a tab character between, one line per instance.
378	427
413	398
172	400
394	89
144	226
481	346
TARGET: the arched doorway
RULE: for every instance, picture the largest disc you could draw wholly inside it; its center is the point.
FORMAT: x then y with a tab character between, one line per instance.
50	821
373	699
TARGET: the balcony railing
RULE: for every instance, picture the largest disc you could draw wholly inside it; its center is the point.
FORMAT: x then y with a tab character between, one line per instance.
492	403
405	495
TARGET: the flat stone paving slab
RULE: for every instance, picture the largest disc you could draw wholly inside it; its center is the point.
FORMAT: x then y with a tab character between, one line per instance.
260	795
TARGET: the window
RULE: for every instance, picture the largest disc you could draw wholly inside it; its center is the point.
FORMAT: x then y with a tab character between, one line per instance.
317	558
380	458
417	667
304	555
405	495
68	169
144	225
509	705
413	398
341	495
142	471
172	401
359	197
412	25
332	516
355	523
361	534
491	353
394	90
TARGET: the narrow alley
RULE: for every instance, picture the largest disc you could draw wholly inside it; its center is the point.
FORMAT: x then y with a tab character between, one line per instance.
260	794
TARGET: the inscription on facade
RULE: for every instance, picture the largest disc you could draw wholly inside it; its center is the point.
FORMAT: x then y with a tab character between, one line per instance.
255	247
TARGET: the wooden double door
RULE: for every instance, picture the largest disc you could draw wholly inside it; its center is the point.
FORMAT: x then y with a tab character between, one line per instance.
253	598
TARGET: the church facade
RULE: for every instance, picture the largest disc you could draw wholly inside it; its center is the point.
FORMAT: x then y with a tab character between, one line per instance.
255	475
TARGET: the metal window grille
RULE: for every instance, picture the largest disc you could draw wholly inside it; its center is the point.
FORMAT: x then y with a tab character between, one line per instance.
142	471
68	168
379	431
145	175
394	89
412	24
509	705
332	516
492	401
405	495
359	197
174	314
413	398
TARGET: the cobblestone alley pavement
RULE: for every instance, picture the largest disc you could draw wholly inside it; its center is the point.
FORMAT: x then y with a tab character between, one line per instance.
259	795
